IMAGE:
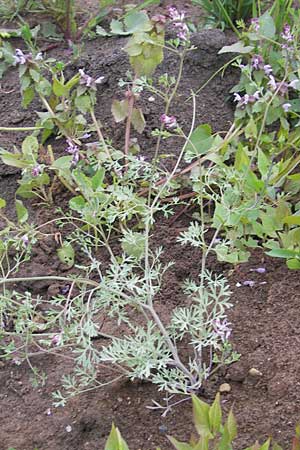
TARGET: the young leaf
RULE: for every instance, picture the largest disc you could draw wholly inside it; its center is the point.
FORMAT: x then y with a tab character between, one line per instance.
180	445
238	47
2	203
30	146
59	88
115	440
201	417
293	264
138	120
215	415
231	426
200	141
119	110
22	212
66	255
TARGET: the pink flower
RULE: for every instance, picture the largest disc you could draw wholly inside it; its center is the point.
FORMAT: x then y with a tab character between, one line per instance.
255	23
169	121
257	62
286	34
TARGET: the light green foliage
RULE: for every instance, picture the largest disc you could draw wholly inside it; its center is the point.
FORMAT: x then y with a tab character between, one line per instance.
213	432
252	181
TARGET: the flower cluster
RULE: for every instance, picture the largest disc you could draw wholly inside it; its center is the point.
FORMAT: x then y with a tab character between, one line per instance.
73	150
89	81
255	24
222	329
36	171
178	23
287	37
281	86
169	121
257	63
243	101
21	58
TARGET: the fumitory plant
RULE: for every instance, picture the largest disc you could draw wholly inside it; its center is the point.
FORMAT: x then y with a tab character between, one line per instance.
117	200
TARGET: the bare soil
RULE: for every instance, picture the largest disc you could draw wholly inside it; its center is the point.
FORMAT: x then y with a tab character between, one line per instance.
265	318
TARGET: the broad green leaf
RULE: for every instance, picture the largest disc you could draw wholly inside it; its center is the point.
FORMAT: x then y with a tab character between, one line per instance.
119	110
138	120
27	96
253	183
266	26
215	415
2	203
83	103
44	87
137	21
263	163
77	203
59	88
200	142
251	129
117	27
293	264
64	162
201	417
98	178
242	160
22	213
30	146
282	253
35	75
66	255
238	47
14	160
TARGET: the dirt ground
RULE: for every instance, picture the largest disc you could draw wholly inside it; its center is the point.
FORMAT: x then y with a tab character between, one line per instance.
265	318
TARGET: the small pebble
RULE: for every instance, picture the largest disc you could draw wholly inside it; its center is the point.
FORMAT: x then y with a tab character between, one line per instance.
68	428
254	372
163	429
225	388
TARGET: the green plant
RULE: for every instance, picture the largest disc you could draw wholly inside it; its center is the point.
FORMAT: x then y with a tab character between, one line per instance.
251	185
225	14
109	202
212	432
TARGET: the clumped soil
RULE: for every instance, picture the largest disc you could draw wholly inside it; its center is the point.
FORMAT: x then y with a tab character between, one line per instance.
265	318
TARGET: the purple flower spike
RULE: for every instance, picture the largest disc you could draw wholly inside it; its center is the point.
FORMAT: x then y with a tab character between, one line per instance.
177	17
257	62
73	150
267	69
286	34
